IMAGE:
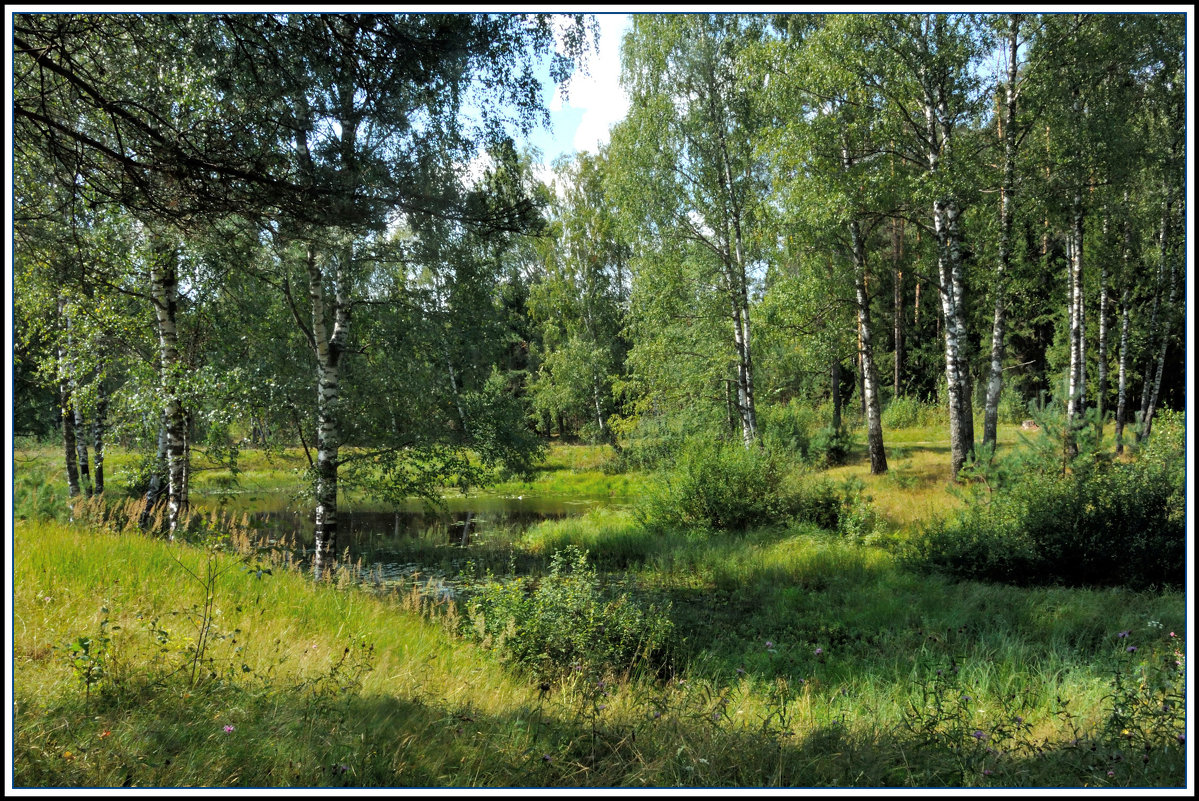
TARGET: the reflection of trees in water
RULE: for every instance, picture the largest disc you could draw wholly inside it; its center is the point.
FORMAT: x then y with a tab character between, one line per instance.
367	531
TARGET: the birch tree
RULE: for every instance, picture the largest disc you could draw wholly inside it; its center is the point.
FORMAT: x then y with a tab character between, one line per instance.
830	166
924	69
692	167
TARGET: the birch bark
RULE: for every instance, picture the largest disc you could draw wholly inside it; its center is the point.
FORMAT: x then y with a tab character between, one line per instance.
1003	267
164	291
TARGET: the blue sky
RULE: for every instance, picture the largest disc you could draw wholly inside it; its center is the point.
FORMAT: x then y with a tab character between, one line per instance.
595	103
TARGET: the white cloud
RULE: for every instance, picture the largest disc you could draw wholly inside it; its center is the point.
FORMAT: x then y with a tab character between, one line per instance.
599	94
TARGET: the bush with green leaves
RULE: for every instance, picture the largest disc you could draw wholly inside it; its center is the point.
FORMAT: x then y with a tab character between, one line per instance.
718	486
1086	521
788	427
565	621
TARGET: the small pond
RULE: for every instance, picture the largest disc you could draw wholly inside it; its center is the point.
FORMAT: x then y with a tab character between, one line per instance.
389	544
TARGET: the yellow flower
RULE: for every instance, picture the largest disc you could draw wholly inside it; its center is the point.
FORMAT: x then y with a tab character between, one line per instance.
67	755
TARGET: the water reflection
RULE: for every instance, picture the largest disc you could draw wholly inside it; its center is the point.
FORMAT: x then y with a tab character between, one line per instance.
385	542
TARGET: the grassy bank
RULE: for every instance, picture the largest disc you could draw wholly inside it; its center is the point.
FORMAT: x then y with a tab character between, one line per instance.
800	660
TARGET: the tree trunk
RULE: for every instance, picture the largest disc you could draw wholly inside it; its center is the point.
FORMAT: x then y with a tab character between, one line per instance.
836	378
897	303
874	427
67	414
68	439
1007	127
1122	381
1122	391
1076	394
1150	406
157	478
1101	377
949	263
738	286
98	438
329	347
164	290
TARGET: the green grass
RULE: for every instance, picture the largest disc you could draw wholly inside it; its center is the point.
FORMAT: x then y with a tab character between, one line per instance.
414	703
425	708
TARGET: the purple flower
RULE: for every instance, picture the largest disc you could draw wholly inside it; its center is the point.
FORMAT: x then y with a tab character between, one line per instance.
657	715
1124	634
769	644
228	729
546	758
819	651
987	772
1019	719
1132	649
1111	773
1182	738
979	734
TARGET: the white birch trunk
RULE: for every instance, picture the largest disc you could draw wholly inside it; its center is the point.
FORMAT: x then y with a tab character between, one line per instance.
1163	324
1076	393
1002	268
874	426
164	290
1101	377
1122	380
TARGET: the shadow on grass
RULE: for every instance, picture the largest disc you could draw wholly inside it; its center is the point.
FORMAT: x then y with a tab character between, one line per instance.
298	738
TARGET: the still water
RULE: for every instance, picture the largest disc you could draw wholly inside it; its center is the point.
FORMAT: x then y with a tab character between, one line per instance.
392	545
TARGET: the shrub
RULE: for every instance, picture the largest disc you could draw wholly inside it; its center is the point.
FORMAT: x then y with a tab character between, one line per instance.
1099	523
787	428
718	486
565	622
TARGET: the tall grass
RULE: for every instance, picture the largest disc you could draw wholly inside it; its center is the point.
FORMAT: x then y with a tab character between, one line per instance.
801	658
326	687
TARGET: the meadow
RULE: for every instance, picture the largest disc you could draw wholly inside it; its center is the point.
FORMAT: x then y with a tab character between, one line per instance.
591	651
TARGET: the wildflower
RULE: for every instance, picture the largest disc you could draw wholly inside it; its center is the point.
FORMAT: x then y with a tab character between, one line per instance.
987	772
966	698
1132	649
1019	719
740	671
769	644
1111	773
601	707
104	734
67	755
228	729
819	651
1124	634
979	734
657	714
1182	738
546	758
1172	634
